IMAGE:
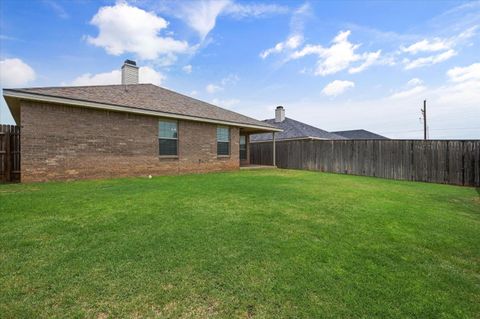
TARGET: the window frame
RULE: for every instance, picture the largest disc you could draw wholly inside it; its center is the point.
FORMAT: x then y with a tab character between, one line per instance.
168	138
222	141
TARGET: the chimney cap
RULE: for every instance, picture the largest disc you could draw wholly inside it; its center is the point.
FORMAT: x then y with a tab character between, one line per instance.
279	107
130	62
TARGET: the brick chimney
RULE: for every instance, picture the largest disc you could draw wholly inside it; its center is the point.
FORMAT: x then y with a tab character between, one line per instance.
279	114
129	72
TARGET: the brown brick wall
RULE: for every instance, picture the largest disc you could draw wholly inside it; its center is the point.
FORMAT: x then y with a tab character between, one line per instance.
64	143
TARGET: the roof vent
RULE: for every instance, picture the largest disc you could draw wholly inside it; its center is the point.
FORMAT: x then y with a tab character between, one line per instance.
129	72
279	114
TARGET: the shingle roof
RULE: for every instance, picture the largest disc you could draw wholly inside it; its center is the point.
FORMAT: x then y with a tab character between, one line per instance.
294	129
144	97
360	135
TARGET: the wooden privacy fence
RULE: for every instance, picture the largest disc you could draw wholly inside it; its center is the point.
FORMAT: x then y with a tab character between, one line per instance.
438	161
9	153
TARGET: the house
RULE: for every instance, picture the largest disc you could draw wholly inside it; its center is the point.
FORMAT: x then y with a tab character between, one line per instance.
360	135
292	130
129	129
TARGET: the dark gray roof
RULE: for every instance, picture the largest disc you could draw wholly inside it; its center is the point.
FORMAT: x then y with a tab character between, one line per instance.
294	130
144	97
360	135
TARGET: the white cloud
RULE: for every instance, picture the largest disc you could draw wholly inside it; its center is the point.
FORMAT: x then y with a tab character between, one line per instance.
299	18
408	92
231	79
445	48
202	15
243	10
292	42
429	60
146	75
413	88
124	28
149	75
187	69
113	77
212	88
370	59
337	87
439	44
229	103
414	82
425	45
466	85
339	56
460	94
15	72
58	9
295	39
461	74
194	93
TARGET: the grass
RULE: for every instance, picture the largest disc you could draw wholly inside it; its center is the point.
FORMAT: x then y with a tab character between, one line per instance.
248	244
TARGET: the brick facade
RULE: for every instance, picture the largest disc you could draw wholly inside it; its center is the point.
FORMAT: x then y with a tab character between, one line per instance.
64	143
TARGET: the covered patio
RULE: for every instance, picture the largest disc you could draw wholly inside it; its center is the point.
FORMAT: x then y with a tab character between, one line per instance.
245	133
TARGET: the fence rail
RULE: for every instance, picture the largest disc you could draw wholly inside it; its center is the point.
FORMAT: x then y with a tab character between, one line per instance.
9	153
438	161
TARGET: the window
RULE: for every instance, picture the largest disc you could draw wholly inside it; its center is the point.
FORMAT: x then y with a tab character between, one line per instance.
168	138
223	140
243	147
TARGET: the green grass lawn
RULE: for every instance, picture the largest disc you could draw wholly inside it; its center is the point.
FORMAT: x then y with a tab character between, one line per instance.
248	244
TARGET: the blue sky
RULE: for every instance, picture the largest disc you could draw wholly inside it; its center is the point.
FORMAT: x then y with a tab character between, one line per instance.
336	65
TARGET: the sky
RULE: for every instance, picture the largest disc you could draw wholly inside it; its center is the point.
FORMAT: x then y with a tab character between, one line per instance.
337	65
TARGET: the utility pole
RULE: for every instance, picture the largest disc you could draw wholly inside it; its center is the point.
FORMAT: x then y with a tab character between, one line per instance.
424	115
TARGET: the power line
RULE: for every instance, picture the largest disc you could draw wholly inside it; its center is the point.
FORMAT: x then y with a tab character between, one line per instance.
434	129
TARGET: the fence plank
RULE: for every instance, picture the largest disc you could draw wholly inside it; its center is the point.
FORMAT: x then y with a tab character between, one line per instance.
439	161
9	153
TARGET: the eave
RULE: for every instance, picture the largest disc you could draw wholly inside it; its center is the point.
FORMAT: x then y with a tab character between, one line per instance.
13	96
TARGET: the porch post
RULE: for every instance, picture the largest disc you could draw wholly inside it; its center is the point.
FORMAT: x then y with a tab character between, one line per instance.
274	161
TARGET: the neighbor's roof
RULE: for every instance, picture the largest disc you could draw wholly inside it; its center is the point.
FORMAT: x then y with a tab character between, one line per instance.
138	98
360	135
295	130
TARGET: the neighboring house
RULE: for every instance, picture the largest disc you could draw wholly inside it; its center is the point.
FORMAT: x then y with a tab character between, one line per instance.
125	130
360	135
292	130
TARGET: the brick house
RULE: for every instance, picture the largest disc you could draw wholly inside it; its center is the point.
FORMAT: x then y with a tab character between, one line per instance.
129	129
